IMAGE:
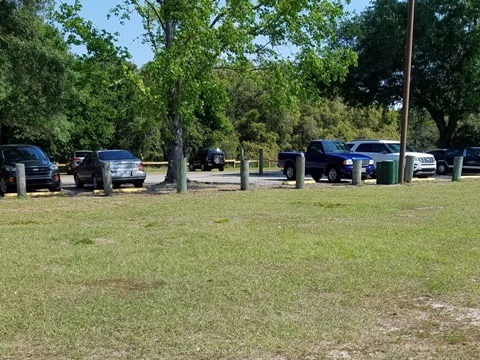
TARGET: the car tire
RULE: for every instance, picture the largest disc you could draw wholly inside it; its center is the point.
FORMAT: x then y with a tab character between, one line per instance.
334	175
442	168
78	182
317	176
191	167
56	188
221	168
95	182
3	186
290	172
138	184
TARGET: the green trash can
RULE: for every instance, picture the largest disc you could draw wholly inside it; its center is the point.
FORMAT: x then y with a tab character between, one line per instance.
390	172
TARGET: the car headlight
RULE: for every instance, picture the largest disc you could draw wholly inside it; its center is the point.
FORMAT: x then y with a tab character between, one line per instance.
53	167
10	168
348	162
371	162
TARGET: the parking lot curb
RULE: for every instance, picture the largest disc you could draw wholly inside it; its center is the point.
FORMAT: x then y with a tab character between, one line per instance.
34	194
121	191
293	182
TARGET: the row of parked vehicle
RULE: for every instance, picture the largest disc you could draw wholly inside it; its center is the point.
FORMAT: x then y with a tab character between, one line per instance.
334	158
41	172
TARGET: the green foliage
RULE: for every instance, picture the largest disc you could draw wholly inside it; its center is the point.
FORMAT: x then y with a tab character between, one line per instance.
190	40
446	58
34	77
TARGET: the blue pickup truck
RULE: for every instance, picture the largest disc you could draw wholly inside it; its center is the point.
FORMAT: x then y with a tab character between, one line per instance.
330	157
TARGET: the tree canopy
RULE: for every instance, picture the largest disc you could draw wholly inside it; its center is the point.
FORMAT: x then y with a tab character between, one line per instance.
446	59
192	39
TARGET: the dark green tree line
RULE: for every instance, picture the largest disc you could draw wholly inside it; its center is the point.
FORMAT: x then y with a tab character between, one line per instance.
446	56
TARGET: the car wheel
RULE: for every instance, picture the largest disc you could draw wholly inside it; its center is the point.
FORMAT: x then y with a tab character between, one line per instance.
442	168
3	186
221	168
317	176
333	175
290	172
56	188
191	167
78	182
95	182
138	184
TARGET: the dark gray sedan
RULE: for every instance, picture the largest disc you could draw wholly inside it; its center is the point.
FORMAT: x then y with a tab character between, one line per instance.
125	168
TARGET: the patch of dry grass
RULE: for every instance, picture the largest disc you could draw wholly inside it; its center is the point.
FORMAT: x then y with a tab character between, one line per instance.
371	272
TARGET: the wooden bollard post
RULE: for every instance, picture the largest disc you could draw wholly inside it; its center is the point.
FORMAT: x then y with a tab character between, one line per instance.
182	176
409	162
457	168
107	178
357	172
260	162
300	174
21	180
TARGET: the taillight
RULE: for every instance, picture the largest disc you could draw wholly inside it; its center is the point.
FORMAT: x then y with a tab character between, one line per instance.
141	167
75	159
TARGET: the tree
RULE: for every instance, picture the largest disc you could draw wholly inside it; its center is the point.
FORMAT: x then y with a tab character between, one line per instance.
34	76
106	106
446	58
191	39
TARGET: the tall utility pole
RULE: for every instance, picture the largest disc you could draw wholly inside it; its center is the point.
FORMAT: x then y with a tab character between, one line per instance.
406	91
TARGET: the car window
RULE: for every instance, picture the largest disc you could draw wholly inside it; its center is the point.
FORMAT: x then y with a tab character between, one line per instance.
116	155
81	153
23	153
335	146
454	153
472	153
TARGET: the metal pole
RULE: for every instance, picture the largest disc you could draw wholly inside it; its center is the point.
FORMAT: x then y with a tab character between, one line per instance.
406	91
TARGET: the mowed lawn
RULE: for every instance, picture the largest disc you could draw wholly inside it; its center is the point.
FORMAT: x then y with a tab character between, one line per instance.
327	272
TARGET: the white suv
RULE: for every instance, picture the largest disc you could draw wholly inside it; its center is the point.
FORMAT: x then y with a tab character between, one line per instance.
424	164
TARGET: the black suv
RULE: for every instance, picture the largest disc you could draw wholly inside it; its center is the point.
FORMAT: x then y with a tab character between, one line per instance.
471	160
207	159
40	171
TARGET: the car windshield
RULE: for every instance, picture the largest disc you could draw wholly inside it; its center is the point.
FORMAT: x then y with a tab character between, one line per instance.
335	146
116	155
395	148
23	153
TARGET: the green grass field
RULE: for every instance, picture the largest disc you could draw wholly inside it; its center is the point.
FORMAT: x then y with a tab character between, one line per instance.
330	272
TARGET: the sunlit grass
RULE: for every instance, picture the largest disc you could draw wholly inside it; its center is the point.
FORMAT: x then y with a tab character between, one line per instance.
372	272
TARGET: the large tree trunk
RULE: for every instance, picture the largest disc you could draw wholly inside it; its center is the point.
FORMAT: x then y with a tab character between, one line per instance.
175	152
446	128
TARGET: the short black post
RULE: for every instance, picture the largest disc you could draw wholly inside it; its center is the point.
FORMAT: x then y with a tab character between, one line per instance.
357	172
457	168
182	176
300	174
107	178
21	180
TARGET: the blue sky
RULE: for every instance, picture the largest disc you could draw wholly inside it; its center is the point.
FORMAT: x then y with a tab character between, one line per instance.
96	11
